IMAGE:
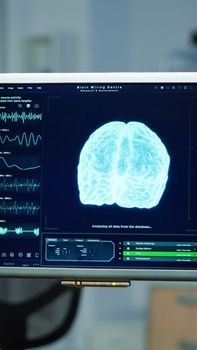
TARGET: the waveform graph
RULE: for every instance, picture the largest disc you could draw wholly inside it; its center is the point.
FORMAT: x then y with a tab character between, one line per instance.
25	139
19	208
19	230
19	185
21	117
22	162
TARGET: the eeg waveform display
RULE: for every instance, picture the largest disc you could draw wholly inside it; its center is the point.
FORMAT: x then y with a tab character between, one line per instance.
19	185
19	231
17	117
20	164
18	208
25	139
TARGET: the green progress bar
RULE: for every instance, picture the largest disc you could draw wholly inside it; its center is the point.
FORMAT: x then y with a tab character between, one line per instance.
173	254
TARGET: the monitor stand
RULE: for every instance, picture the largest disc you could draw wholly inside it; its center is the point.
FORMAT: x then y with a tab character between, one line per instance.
86	283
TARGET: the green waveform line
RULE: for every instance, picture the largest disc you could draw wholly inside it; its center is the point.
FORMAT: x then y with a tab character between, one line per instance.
31	139
15	117
19	231
18	167
26	185
19	208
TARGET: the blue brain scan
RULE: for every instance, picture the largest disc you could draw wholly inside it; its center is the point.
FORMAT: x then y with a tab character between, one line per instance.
123	164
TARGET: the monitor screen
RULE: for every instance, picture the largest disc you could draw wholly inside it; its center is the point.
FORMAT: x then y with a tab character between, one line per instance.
98	175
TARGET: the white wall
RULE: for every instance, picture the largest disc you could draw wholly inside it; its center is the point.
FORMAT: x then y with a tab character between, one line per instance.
134	35
2	35
158	28
139	35
111	35
44	17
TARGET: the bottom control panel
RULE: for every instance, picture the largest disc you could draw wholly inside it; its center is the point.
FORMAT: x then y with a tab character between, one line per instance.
73	250
66	250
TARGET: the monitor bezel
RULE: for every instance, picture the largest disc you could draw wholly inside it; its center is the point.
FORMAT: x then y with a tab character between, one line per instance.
99	274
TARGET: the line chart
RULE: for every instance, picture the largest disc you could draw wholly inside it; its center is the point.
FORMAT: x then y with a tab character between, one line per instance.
15	117
24	139
19	185
19	231
17	166
19	208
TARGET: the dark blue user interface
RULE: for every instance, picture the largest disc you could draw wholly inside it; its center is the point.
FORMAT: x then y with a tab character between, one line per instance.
98	175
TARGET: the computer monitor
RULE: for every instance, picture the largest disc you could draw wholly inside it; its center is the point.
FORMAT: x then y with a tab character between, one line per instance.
98	176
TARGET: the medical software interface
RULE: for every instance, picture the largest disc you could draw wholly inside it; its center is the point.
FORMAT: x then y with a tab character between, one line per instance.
98	175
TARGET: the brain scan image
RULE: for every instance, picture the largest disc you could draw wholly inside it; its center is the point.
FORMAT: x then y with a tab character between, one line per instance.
123	164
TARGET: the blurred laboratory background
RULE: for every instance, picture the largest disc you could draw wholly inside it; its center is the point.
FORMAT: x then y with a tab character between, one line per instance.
109	35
